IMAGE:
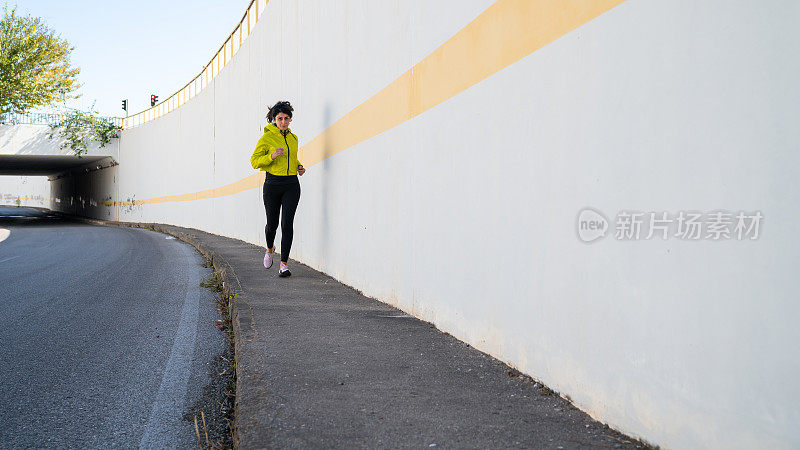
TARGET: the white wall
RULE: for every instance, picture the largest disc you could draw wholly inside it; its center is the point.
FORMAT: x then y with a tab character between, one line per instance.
34	139
466	214
30	190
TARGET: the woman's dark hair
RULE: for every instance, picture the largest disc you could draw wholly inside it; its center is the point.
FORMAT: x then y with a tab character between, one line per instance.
280	107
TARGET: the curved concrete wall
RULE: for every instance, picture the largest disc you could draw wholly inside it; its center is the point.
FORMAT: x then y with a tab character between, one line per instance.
451	146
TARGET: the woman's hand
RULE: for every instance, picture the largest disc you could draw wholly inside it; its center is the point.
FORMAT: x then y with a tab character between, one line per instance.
278	152
301	170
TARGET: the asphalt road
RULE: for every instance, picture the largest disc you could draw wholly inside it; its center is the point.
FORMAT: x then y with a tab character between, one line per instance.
106	336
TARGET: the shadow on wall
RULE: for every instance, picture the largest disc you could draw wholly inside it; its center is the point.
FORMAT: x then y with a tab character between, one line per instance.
82	193
28	140
324	242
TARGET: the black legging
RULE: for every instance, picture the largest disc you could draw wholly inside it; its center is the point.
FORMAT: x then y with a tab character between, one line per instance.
281	192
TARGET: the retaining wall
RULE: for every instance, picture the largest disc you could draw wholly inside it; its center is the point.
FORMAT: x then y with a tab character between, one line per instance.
450	148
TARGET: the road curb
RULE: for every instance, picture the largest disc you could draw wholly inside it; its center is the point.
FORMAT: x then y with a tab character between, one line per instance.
239	308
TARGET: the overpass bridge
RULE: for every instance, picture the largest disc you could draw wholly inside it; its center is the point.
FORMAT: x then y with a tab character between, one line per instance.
27	149
441	135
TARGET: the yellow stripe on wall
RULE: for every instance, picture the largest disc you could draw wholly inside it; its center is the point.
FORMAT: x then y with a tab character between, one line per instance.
250	182
506	32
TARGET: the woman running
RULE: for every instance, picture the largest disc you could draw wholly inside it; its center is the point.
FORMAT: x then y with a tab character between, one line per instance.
276	154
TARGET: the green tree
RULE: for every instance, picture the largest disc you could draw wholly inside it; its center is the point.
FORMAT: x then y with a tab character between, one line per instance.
35	68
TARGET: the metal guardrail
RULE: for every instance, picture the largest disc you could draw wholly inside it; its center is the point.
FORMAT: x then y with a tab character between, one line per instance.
44	119
233	42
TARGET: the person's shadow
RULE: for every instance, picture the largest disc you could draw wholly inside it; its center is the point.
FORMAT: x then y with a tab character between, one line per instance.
324	238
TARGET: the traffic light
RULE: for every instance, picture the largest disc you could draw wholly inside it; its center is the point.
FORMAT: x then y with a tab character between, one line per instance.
153	100
125	105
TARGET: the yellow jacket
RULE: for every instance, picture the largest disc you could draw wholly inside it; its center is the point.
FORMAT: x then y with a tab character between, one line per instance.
272	139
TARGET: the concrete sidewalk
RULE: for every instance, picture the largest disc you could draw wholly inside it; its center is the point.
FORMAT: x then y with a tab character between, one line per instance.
320	365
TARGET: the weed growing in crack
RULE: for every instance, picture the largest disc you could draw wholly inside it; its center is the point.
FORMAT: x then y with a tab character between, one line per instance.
215	430
214	283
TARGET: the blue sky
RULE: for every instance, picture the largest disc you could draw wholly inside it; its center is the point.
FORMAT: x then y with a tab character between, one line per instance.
134	49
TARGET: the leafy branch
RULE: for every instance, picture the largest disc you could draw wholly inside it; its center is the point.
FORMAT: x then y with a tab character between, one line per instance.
80	128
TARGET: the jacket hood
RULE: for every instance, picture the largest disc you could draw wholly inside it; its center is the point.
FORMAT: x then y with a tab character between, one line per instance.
274	129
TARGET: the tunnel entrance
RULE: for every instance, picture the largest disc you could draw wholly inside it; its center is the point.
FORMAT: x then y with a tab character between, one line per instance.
49	164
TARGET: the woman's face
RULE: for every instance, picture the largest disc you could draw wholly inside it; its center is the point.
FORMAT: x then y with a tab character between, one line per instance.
282	121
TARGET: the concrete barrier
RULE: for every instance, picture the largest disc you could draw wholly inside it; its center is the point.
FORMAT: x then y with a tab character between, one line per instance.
454	151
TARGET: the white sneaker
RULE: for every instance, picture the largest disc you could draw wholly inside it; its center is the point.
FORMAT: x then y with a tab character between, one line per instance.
284	272
268	259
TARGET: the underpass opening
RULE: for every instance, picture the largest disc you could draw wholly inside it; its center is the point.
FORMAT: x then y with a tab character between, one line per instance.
50	165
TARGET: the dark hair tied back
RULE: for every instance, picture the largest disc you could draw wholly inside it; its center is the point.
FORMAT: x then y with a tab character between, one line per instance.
280	107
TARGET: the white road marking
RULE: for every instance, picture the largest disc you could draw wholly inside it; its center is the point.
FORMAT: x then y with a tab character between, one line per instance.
9	259
165	419
4	234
